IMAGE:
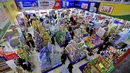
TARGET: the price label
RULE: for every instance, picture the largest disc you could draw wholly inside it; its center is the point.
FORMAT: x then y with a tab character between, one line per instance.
100	65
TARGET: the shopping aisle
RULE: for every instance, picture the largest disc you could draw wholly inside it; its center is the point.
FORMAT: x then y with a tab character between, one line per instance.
36	62
82	49
75	67
34	56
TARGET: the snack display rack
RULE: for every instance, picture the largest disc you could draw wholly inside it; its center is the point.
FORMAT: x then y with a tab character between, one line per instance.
44	34
76	51
60	37
99	65
92	41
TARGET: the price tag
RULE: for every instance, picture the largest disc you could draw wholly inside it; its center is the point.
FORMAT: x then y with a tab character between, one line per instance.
100	65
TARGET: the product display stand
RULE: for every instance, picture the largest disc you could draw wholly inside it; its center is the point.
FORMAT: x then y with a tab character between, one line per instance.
99	65
92	42
49	58
38	41
60	38
3	66
76	52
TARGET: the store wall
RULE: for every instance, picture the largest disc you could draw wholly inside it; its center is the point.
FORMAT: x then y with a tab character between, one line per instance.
44	4
12	9
121	11
89	6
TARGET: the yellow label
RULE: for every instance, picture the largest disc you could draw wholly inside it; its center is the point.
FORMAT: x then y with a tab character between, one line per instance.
100	65
20	51
12	8
114	9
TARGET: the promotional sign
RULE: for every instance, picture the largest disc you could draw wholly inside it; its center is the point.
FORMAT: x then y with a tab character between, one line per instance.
26	4
11	56
50	4
89	6
12	9
4	20
3	17
121	11
67	3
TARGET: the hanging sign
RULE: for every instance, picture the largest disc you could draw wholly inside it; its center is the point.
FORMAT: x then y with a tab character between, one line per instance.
26	4
121	11
89	6
12	9
67	3
50	4
4	20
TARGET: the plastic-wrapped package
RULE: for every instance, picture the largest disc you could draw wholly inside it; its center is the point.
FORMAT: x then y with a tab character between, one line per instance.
38	41
44	58
60	38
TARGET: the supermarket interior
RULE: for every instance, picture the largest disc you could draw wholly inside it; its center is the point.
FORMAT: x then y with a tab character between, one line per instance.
64	36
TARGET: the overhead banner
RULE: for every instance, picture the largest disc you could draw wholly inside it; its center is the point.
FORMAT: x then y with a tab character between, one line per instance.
26	4
89	6
121	11
12	9
67	3
49	4
4	20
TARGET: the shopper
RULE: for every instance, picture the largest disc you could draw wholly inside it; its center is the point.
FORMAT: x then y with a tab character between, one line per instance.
70	67
30	41
26	21
69	28
63	57
108	44
106	39
62	15
53	40
91	31
27	49
100	49
72	34
87	29
66	43
90	52
73	21
24	64
34	24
